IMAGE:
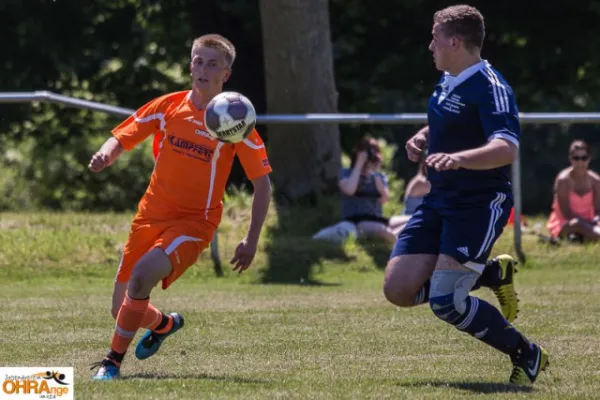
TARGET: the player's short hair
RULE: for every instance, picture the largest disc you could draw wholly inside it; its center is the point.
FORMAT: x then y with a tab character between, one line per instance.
218	42
579	145
462	21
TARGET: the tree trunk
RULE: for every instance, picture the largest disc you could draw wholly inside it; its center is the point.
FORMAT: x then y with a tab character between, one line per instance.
299	79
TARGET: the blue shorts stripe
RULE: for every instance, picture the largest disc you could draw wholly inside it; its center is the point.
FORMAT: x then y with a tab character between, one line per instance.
496	212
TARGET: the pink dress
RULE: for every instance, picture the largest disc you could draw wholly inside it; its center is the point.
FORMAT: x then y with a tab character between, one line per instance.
581	206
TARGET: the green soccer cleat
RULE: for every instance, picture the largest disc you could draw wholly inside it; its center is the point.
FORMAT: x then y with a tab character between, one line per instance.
505	291
527	367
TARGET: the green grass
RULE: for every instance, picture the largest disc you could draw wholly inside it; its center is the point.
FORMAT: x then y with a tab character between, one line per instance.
321	329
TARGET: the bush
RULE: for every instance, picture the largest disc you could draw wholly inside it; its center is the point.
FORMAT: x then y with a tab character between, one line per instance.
45	166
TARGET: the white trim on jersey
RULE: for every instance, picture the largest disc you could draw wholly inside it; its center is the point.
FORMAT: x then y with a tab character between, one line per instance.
495	213
151	117
160	146
498	89
506	135
213	174
252	145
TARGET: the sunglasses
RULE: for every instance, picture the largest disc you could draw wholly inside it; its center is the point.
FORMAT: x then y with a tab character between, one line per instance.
580	158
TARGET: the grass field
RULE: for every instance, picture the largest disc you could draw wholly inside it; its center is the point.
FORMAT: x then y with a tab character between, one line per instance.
319	329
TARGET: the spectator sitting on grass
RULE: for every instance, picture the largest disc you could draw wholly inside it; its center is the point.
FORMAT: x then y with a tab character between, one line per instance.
576	205
364	190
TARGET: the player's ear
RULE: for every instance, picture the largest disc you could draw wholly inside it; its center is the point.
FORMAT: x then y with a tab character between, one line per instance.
227	75
454	43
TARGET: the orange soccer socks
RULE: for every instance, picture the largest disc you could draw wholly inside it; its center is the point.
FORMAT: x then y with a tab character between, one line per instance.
156	321
131	315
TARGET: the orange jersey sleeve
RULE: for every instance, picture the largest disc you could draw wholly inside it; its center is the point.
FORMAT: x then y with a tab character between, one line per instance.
147	120
253	156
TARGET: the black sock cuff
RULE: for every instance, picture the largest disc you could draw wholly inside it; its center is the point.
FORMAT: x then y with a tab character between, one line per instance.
118	357
163	322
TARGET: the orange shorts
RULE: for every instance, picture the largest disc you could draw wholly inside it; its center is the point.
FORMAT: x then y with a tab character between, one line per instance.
182	241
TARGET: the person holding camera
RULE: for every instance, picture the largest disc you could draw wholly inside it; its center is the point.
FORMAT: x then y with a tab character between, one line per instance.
364	190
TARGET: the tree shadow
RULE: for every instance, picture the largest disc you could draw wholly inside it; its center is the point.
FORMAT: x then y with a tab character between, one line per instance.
293	256
475	387
199	375
294	260
378	250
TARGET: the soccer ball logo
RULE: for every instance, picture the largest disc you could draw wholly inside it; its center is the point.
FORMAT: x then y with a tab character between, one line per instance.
230	117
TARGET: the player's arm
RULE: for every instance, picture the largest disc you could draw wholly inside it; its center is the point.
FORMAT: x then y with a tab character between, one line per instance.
416	145
253	157
129	133
245	251
498	152
500	121
106	155
260	205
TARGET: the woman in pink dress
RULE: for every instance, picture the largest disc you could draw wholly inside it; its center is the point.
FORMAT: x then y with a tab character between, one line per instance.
576	204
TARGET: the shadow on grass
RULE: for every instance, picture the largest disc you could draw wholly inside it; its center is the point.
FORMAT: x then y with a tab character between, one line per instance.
475	387
199	375
293	255
378	250
295	260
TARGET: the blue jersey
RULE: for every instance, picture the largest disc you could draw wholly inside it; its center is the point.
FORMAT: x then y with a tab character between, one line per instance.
466	112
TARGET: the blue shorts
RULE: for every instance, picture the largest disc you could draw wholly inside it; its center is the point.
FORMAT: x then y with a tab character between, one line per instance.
464	226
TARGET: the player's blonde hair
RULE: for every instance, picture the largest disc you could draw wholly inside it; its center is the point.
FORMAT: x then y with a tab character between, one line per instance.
216	41
463	21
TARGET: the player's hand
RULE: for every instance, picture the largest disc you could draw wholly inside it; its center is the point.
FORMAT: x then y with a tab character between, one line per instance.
99	161
443	161
244	254
415	146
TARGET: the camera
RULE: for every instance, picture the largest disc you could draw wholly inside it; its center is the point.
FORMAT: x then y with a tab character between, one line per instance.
372	155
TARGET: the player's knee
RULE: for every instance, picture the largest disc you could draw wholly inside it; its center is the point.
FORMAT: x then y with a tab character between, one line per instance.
139	284
398	298
448	308
398	293
404	278
136	285
449	292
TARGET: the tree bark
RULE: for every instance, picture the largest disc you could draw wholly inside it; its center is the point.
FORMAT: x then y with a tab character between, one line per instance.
300	79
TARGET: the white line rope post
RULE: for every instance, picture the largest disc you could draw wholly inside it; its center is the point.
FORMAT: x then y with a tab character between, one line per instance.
516	183
395	119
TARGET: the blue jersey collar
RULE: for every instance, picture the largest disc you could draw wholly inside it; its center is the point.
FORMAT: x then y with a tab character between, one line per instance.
450	82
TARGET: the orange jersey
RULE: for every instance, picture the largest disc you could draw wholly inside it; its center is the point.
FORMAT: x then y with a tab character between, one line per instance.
192	168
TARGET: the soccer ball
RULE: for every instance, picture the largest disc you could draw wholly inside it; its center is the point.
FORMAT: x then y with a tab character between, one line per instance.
230	117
